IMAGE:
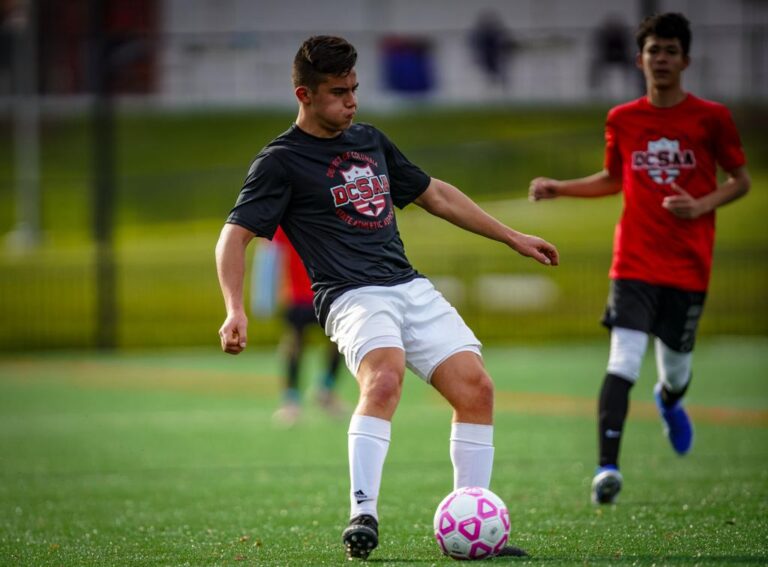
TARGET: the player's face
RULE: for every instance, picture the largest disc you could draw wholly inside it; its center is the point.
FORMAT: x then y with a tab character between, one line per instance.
662	62
334	104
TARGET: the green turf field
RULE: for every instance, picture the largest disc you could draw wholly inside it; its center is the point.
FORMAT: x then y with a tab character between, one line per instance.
170	458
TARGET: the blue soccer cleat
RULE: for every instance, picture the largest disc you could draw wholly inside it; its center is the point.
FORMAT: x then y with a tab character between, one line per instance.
606	485
677	425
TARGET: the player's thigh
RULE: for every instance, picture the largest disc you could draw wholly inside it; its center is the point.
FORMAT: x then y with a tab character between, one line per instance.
363	320
383	367
678	317
463	380
434	331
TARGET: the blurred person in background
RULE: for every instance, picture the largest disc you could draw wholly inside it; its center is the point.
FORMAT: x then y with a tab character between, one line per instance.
662	151
280	279
332	185
611	51
493	48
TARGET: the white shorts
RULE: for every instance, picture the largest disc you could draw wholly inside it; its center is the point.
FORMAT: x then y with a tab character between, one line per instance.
413	316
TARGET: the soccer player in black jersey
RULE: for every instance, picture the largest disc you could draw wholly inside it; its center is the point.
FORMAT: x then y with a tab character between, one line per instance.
332	185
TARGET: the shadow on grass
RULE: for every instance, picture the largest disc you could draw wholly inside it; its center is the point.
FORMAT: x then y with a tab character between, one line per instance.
591	560
648	559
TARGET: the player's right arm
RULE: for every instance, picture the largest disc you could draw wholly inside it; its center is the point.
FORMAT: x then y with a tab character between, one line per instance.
230	265
599	184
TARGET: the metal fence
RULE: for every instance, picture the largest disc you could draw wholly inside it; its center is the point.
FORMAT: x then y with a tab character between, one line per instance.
48	301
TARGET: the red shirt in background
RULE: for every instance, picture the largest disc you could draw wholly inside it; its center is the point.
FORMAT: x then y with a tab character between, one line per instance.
649	148
296	287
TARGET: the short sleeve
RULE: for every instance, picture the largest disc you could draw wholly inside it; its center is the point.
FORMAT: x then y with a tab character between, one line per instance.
612	154
728	150
263	198
407	181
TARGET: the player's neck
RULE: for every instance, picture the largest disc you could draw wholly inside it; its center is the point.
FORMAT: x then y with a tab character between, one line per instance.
307	124
666	98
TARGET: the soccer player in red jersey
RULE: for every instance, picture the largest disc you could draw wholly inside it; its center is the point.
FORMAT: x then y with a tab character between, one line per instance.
282	265
662	152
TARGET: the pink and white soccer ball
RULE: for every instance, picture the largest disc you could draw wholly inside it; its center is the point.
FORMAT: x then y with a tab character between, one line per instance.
471	523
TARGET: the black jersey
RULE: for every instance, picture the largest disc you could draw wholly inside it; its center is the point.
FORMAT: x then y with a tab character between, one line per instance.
333	198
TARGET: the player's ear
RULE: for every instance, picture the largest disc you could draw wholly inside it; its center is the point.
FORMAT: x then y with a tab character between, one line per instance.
639	60
686	61
302	94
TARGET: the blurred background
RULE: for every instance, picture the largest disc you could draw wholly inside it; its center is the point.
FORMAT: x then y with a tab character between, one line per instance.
127	127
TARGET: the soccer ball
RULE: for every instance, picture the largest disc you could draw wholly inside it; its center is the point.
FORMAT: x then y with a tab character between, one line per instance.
471	523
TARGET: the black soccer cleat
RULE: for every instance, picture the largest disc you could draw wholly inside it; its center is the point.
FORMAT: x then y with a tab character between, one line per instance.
361	536
511	551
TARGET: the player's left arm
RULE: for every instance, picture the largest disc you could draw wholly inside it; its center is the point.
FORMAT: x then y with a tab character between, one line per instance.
447	202
685	206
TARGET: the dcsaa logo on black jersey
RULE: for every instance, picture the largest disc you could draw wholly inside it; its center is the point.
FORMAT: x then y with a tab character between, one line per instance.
663	160
366	191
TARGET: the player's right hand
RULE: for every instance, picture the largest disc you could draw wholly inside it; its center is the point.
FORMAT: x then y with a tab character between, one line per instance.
234	333
542	188
536	248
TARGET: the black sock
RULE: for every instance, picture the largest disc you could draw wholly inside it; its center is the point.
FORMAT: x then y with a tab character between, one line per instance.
611	414
670	398
292	368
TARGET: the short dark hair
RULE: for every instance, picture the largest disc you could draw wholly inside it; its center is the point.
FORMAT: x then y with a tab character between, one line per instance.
671	25
322	55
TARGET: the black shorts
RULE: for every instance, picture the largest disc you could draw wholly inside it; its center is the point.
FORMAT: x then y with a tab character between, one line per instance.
299	316
669	313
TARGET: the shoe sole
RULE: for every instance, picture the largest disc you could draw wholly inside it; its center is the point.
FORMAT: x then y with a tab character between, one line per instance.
359	541
605	490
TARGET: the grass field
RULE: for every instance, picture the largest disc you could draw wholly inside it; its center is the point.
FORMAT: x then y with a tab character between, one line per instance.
170	458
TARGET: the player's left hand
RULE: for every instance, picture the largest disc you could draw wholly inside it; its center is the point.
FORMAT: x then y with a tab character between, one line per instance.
682	205
537	248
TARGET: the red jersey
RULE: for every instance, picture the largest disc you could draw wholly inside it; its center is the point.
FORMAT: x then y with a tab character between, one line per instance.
296	284
649	148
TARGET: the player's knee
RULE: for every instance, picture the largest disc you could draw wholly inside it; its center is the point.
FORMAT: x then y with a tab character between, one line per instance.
627	351
477	392
485	392
382	387
673	367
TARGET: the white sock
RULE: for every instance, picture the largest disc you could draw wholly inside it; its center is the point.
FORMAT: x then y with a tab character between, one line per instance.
674	368
471	454
368	444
